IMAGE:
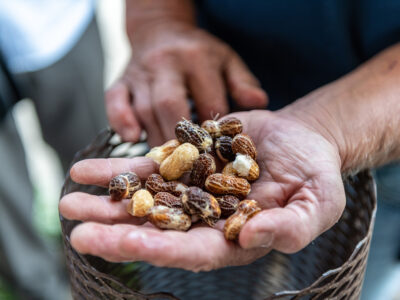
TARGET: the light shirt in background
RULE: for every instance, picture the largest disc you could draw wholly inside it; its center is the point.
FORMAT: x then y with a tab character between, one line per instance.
36	33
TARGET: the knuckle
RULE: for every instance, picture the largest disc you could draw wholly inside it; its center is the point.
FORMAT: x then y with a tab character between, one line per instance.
154	58
168	103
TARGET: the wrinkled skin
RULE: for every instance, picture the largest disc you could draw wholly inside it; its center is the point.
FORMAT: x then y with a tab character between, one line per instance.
300	190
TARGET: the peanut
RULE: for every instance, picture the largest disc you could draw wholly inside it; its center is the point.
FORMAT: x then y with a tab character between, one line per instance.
221	184
169	218
167	199
179	162
223	148
202	168
229	126
242	143
246	167
187	132
158	154
197	202
234	224
140	204
228	205
155	184
124	186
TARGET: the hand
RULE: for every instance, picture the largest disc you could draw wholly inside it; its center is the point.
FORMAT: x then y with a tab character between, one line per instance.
170	61
300	190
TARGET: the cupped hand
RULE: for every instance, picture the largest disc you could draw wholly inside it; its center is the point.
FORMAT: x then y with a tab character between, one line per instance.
300	190
170	61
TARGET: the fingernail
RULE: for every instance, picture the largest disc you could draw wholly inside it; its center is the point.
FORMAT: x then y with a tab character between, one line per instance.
261	239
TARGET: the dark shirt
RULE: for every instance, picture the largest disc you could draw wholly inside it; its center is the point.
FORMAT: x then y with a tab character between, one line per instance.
296	46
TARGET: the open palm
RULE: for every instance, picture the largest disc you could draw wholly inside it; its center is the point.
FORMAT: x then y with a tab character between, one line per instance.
300	190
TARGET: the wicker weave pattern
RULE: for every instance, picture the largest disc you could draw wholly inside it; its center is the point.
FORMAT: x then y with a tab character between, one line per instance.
332	267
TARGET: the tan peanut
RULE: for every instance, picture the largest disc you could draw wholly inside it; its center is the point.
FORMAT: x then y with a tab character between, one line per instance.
158	154
229	170
156	184
234	224
179	162
197	202
187	132
242	143
140	204
124	186
202	168
229	126
169	218
246	167
167	199
221	184
228	205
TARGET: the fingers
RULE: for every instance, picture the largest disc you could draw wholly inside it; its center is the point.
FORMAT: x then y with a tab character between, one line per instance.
208	91
243	86
144	111
86	207
120	113
100	171
291	228
200	249
169	100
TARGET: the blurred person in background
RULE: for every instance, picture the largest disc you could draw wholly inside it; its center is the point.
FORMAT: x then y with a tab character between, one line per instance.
51	53
212	50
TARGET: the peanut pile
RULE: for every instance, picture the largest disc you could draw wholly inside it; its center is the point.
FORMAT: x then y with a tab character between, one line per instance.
168	203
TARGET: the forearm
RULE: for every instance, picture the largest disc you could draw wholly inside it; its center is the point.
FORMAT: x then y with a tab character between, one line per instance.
360	112
141	13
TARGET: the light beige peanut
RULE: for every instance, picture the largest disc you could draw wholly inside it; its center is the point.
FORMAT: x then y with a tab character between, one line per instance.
187	132
197	202
246	167
179	162
242	143
167	199
234	224
202	168
169	218
221	184
158	154
156	184
124	186
140	204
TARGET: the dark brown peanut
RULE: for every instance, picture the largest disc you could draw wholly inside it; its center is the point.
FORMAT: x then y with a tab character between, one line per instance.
221	184
124	186
228	204
187	132
242	143
246	167
155	184
169	218
202	168
167	199
223	148
197	202
245	211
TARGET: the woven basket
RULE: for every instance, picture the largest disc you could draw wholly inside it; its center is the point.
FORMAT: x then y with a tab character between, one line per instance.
331	267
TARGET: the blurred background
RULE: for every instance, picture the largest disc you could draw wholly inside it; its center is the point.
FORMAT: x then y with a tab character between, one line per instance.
46	171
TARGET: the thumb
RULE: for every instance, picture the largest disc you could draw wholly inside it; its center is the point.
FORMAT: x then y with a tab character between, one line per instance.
120	113
243	86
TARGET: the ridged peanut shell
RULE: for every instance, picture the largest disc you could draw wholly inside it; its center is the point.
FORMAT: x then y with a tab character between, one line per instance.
221	184
212	127
167	199
223	148
169	218
246	167
187	132
202	168
234	224
156	184
242	143
179	162
124	186
228	205
195	201
230	126
160	153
